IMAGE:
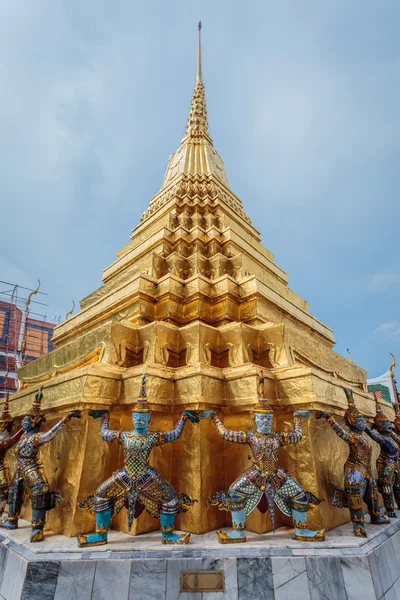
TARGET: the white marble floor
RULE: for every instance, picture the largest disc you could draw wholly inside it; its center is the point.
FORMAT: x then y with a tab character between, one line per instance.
339	538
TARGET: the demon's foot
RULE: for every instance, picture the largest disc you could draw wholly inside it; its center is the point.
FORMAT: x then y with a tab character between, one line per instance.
175	538
93	539
231	537
312	536
37	535
7	524
359	531
379	520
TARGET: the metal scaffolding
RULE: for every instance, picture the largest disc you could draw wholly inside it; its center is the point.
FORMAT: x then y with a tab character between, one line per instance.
21	339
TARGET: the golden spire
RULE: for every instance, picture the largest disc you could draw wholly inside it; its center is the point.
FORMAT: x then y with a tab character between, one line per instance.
198	76
197	125
196	160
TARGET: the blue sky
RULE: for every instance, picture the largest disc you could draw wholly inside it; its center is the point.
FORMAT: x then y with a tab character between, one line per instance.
303	102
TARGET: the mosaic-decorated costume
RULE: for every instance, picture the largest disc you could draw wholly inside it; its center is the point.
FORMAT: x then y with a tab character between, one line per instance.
138	485
6	442
30	477
264	484
359	484
387	463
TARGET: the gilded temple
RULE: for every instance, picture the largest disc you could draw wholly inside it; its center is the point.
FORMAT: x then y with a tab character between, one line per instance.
196	301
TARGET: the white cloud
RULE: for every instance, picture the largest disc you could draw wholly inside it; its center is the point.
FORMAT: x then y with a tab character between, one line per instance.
391	329
381	282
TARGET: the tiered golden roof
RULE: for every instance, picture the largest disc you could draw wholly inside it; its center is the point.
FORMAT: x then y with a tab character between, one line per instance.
195	254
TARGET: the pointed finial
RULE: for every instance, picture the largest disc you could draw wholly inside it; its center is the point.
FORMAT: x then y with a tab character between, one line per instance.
263	404
33	294
380	415
142	405
37	403
261	389
392	365
198	75
5	413
69	313
377	405
36	413
349	396
197	125
352	412
143	391
394	383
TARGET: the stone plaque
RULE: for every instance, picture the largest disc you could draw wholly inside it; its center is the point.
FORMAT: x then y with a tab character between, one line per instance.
202	581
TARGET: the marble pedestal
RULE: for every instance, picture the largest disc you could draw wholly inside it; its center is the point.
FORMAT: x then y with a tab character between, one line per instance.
269	566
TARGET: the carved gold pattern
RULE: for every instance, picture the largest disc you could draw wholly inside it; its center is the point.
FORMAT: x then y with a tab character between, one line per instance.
89	359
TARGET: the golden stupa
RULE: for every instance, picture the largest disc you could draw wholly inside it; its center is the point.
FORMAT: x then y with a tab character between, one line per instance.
197	302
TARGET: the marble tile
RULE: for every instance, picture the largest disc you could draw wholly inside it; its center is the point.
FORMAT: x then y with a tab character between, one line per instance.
383	568
148	579
112	579
3	559
296	589
391	550
255	579
396	543
230	571
40	581
373	567
390	595
75	580
357	578
286	569
14	576
396	588
174	568
325	578
290	578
